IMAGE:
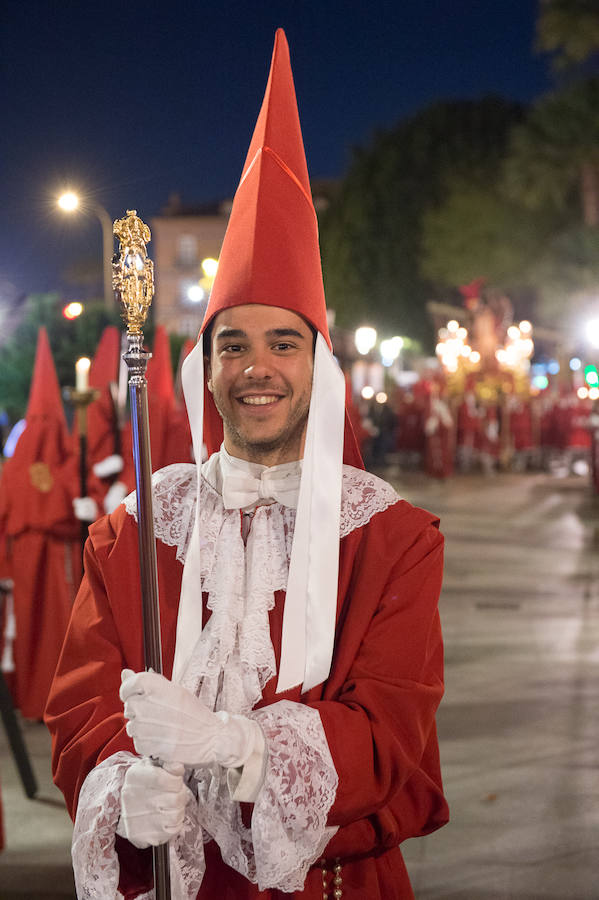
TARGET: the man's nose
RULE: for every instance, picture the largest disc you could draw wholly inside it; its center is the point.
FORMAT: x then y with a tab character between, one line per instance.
259	365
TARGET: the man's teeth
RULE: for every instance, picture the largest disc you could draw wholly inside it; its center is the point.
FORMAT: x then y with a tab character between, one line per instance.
259	401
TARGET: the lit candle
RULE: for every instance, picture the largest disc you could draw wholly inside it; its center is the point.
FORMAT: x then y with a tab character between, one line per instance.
82	373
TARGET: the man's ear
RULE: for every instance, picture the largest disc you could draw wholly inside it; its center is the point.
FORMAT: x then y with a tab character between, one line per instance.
208	373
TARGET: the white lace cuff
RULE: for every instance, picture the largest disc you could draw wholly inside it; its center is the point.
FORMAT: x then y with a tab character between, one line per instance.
289	823
95	861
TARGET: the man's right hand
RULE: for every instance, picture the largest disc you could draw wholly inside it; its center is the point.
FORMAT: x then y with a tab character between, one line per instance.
153	802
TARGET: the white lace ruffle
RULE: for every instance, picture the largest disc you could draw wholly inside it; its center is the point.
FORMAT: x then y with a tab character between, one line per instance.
301	783
95	861
174	492
289	828
234	659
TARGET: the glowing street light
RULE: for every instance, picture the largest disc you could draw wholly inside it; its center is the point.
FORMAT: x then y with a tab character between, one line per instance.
72	309
592	333
195	293
209	267
68	202
365	339
390	350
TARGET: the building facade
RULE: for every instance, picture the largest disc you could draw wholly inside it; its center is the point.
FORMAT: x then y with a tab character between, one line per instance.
187	242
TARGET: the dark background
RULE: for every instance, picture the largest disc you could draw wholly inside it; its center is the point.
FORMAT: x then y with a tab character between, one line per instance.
128	102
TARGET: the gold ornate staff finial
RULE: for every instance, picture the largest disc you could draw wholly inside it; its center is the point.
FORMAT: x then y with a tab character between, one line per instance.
133	271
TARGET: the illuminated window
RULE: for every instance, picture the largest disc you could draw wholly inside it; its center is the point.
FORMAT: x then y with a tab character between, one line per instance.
187	249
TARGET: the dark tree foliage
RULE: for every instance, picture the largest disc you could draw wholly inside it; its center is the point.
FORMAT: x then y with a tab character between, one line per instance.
568	29
371	235
68	340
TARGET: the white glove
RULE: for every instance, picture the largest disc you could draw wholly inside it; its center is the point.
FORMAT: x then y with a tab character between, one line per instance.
153	802
115	493
166	721
86	509
111	465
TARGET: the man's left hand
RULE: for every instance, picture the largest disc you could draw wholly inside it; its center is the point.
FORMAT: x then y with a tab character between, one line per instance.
169	723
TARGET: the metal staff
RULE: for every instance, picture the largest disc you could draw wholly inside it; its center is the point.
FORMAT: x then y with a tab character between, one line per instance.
133	280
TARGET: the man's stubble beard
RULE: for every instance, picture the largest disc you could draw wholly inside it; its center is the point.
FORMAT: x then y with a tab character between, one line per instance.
291	432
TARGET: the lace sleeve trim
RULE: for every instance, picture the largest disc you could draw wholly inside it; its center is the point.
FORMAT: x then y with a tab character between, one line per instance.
289	824
174	497
95	860
289	828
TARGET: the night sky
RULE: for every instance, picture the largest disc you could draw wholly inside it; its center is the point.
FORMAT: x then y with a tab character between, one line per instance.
129	102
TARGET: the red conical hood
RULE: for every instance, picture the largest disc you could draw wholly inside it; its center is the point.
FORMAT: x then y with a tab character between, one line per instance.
44	394
101	418
270	253
40	480
159	372
105	364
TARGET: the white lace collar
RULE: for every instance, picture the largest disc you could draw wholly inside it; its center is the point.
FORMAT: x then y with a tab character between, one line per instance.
174	497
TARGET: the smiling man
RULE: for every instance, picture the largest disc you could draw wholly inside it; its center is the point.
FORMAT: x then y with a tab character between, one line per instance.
295	722
260	375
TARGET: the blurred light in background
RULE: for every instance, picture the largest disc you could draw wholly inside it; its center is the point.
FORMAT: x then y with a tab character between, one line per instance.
68	201
592	332
209	267
541	382
195	293
72	310
365	339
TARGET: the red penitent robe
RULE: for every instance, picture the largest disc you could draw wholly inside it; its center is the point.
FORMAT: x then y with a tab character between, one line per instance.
377	706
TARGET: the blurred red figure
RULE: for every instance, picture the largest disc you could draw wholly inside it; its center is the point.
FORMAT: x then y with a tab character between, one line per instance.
410	433
439	434
520	431
468	426
170	437
41	535
488	439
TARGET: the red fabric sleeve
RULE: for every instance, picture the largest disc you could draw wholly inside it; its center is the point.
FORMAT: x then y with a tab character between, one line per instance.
84	713
380	726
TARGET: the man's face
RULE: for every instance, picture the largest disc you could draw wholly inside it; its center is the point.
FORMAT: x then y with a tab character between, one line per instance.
260	375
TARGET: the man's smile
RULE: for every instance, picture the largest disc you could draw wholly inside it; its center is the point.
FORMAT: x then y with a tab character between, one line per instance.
259	401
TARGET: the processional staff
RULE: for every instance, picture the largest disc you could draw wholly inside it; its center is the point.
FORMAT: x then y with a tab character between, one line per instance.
133	280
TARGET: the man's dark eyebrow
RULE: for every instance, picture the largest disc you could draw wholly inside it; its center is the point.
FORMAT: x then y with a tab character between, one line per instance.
228	333
284	332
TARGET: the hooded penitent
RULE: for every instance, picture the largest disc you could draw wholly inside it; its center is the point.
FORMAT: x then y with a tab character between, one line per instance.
270	256
41	535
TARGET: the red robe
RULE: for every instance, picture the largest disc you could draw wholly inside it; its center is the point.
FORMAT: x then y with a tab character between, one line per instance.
377	706
40	535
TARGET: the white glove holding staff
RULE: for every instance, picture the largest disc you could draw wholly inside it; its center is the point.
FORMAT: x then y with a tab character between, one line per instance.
153	802
167	722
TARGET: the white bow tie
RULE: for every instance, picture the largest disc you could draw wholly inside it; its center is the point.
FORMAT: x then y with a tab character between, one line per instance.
242	489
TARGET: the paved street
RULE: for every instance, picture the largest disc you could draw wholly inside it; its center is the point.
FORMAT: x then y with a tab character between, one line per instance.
519	726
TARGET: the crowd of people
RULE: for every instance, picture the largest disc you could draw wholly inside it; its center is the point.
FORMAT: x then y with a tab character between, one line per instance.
424	427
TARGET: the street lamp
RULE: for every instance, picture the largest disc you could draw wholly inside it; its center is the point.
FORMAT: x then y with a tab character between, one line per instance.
69	202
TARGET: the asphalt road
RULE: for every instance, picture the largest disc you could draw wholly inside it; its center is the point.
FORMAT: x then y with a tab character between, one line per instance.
519	724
